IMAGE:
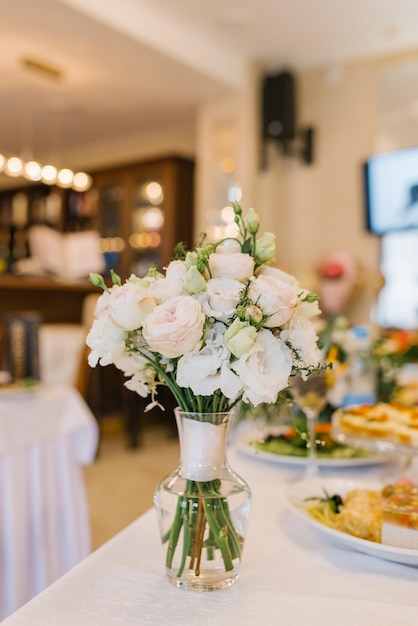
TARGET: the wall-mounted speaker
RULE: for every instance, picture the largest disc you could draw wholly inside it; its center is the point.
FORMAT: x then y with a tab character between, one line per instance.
278	107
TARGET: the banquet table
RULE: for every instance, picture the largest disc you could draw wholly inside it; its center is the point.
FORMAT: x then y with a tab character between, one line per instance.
291	574
47	433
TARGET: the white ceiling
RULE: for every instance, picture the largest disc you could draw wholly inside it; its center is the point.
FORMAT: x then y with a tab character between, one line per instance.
131	66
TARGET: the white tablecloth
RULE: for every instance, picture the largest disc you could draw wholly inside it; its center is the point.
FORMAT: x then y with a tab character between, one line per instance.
46	434
291	575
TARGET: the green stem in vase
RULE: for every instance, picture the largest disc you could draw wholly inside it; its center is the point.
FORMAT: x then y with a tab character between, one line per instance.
172	535
220	506
220	532
186	545
191	519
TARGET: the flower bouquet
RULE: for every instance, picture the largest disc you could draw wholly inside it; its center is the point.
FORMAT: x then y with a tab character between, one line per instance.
220	325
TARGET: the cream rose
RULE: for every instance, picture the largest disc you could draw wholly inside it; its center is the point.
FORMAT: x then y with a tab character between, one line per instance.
226	262
276	298
222	297
265	369
175	327
128	305
284	277
169	286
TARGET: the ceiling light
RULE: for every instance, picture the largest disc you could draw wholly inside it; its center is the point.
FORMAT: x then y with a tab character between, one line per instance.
65	177
34	171
82	181
49	174
14	166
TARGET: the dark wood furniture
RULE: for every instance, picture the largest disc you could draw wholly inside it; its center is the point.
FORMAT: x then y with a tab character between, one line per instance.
58	301
146	208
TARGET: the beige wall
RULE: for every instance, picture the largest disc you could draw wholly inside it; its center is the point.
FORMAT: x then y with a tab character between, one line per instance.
313	209
319	208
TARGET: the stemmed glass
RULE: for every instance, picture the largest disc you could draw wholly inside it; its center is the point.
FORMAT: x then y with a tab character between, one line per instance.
311	397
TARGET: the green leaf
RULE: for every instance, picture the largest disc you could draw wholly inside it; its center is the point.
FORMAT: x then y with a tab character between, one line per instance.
246	246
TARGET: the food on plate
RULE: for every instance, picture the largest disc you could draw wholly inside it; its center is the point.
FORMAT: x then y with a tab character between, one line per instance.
388	516
390	421
359	513
400	515
293	442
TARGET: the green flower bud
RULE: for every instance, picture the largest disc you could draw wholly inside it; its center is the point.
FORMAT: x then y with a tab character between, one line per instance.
237	208
253	313
191	259
252	222
194	281
265	248
209	248
240	337
98	281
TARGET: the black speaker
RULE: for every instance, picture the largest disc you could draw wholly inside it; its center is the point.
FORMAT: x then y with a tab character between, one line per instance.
278	107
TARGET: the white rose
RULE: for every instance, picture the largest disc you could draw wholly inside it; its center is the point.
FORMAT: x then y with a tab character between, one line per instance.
266	270
163	288
276	298
102	304
303	338
223	295
107	341
175	327
265	369
176	270
128	305
231	264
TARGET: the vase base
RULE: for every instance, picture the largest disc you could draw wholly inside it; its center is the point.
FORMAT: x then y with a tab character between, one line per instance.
207	581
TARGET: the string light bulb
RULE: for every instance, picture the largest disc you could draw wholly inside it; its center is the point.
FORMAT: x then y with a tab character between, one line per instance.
32	170
65	177
48	174
14	166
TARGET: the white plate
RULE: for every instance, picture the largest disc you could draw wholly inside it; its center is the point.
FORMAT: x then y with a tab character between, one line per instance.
312	487
375	458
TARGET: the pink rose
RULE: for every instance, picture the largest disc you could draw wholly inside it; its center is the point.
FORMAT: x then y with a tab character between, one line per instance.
129	305
175	327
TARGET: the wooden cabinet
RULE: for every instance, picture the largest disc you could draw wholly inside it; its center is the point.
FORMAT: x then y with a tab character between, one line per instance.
144	210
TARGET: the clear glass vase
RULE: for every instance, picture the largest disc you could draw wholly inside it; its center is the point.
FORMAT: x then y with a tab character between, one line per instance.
203	507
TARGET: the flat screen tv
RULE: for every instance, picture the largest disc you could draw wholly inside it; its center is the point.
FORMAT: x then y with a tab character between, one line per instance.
391	191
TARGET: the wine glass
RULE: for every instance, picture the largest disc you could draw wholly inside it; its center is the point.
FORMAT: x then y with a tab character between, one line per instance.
311	397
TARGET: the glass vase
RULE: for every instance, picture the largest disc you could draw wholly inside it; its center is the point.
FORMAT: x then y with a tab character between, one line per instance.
202	507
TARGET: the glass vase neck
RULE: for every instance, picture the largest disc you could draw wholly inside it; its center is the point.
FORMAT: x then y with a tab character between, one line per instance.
202	438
